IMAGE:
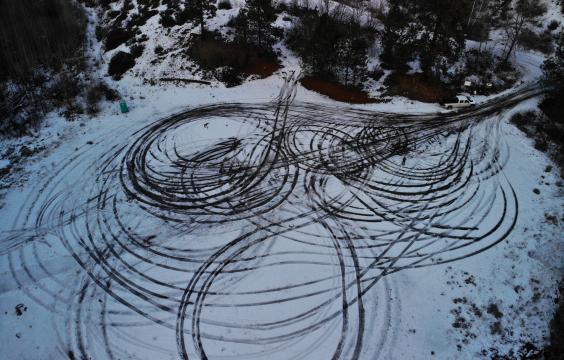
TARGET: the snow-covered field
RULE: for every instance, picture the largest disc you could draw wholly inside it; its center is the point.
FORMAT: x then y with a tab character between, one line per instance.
268	221
263	226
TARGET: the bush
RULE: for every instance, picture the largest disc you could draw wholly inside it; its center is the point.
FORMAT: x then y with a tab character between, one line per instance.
120	63
65	89
72	111
521	119
141	18
96	93
93	97
547	133
479	31
109	93
21	113
100	32
282	6
541	42
116	37
167	20
224	5
551	106
137	50
553	25
331	46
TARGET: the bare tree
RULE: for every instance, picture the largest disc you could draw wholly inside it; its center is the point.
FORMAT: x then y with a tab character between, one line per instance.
524	13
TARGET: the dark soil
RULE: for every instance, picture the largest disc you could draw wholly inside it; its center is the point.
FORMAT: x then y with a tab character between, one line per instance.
338	91
417	87
231	62
261	67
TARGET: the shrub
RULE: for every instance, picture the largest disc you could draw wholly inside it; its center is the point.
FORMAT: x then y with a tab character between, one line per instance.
100	32
116	37
541	42
282	6
120	63
553	25
224	5
521	119
167	20
64	90
112	14
551	106
137	50
376	74
21	112
109	93
72	111
141	18
541	145
479	31
96	93
331	46
93	97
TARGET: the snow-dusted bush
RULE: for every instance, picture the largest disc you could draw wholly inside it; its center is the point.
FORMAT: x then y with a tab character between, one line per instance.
541	42
120	63
224	5
116	37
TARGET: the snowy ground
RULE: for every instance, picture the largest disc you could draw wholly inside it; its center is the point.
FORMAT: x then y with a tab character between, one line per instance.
284	215
268	221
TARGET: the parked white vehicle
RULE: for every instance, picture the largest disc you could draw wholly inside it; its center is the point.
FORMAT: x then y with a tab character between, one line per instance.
460	101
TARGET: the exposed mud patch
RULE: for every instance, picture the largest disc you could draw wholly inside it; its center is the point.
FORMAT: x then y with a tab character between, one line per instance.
339	92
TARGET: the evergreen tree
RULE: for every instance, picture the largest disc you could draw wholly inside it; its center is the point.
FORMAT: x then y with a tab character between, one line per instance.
352	58
433	30
332	46
553	68
201	9
443	38
260	15
400	35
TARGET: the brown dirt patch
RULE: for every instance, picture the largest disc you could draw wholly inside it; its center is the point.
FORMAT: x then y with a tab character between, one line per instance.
417	87
338	91
261	67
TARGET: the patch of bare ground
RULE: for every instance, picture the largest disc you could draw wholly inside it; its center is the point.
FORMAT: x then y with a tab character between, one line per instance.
339	92
417	87
263	67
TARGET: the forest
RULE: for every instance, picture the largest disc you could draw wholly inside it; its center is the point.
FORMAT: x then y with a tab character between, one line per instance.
422	45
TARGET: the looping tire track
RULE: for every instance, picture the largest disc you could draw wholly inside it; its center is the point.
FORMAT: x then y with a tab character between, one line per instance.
175	231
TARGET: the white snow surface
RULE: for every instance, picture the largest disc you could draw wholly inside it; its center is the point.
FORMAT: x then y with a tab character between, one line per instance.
57	251
412	311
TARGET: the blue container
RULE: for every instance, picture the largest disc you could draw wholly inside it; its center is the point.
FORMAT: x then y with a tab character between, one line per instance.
123	107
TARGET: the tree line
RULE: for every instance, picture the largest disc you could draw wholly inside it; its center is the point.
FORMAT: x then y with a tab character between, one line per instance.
38	34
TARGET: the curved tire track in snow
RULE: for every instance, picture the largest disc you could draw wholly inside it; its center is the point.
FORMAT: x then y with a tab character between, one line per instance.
269	234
